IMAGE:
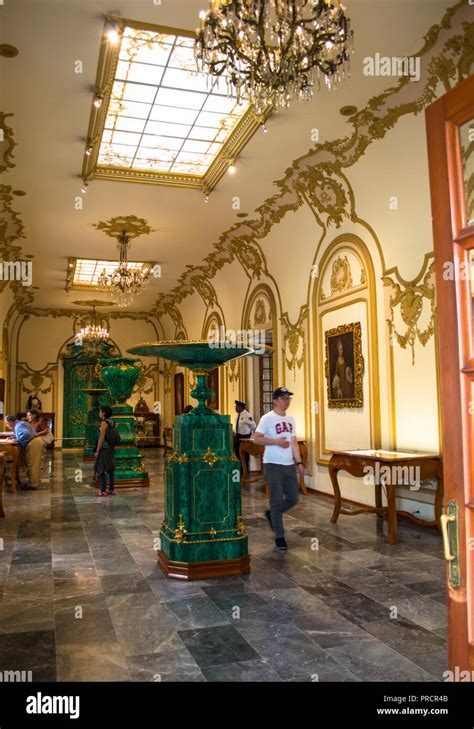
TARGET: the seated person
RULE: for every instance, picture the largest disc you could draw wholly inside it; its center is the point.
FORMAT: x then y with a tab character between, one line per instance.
32	446
40	426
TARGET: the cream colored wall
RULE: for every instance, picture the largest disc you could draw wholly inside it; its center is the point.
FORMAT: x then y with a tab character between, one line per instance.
406	416
40	341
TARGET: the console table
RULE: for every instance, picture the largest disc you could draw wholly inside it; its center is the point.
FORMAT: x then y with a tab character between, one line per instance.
386	466
249	446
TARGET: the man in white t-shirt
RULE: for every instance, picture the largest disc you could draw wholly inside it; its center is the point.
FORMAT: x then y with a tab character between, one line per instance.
277	432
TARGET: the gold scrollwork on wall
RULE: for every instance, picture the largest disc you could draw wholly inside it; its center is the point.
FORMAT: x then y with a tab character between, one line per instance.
341	276
412	299
294	344
36	382
260	313
233	370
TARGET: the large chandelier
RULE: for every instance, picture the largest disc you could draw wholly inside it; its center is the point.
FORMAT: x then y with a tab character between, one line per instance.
273	51
93	333
124	283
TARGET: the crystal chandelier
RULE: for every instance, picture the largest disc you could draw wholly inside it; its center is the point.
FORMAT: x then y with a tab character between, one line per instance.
273	51
124	283
94	332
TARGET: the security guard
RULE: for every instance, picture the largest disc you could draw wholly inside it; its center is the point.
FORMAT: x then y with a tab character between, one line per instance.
244	427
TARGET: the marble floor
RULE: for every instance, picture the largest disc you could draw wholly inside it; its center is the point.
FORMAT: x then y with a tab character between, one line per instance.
83	600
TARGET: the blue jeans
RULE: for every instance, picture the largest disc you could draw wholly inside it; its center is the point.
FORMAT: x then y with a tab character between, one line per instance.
284	492
103	481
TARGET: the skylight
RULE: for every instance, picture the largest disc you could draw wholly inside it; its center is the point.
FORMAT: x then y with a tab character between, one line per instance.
83	273
160	120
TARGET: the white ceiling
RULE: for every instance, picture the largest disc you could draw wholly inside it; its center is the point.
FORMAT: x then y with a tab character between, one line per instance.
51	106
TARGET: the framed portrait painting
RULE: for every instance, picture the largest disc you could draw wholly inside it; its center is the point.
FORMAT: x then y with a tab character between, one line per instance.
344	366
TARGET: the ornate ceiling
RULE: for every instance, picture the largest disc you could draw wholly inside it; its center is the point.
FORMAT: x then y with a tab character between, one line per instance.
49	103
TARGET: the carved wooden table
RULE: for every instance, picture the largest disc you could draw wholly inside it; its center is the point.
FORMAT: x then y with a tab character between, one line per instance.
386	466
13	451
249	446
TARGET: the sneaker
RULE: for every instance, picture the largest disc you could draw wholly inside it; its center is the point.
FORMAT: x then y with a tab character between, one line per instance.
280	543
268	517
101	493
112	493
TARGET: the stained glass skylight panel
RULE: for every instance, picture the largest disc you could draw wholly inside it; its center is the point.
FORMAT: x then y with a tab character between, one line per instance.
86	271
162	116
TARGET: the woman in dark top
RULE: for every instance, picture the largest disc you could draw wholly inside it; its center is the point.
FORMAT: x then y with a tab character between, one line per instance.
104	455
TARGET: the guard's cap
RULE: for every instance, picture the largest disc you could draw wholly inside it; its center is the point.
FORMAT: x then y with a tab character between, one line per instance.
239	403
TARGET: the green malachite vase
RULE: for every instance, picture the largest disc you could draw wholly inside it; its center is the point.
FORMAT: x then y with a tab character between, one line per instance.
120	374
203	534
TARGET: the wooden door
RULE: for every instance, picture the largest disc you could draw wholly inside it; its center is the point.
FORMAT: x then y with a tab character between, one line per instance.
450	130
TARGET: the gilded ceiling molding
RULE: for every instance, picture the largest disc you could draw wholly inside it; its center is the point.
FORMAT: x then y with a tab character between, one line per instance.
199	282
11	226
317	179
76	315
411	298
213	322
294	344
129	224
7	144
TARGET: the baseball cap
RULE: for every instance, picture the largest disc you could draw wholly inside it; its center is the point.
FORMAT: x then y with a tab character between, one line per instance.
280	391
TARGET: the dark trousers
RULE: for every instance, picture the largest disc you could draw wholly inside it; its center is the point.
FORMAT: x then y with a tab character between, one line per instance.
284	492
237	439
103	481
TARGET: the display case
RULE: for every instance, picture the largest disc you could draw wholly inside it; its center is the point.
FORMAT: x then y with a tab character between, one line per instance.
147	426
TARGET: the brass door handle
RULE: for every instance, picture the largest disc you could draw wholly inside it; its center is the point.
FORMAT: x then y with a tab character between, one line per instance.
444	528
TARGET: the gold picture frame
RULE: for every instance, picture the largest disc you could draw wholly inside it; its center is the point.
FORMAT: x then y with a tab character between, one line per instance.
344	366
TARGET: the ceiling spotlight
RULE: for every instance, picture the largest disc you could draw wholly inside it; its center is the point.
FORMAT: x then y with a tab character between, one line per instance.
232	167
84	188
206	198
113	37
264	128
98	101
89	151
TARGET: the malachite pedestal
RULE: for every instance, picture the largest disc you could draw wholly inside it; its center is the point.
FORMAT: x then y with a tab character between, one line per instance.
203	534
120	375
